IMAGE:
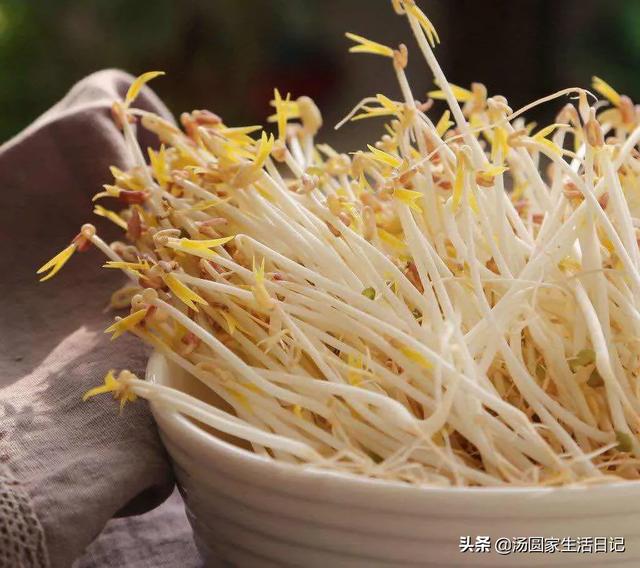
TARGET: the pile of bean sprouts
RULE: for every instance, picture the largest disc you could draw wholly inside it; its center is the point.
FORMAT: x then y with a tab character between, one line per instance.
459	304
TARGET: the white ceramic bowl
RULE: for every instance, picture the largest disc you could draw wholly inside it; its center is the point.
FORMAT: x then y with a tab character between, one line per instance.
253	512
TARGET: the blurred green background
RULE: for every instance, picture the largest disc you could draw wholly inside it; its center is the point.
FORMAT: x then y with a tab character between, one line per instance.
227	55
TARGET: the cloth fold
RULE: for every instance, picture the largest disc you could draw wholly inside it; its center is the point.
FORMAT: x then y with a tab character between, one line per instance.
69	466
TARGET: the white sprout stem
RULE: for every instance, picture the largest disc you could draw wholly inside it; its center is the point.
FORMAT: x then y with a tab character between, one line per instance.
207	414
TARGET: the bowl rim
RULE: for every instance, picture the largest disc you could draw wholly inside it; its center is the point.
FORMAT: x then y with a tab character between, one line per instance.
185	427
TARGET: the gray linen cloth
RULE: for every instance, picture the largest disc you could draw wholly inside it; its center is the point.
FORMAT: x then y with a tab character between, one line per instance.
67	467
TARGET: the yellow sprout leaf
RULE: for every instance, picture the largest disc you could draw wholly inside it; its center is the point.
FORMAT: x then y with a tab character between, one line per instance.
148	218
370	112
570	264
111	215
143	265
386	102
264	149
126	324
473	203
499	144
117	173
444	123
541	137
606	243
461	95
259	290
120	390
135	87
126	179
416	357
232	322
384	157
387	108
355	375
204	205
109	191
283	112
159	165
110	385
183	292
258	271
288	112
544	132
425	23
288	106
550	146
408	197
493	171
489	174
239	130
204	244
363	182
606	90
56	263
241	398
250	386
391	240
367	46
